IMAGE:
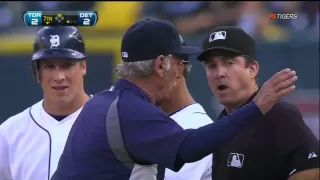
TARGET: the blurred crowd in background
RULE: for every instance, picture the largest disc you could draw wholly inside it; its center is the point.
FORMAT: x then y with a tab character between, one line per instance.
190	17
280	43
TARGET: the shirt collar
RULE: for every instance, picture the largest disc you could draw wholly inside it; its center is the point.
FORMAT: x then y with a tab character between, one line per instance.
125	84
224	112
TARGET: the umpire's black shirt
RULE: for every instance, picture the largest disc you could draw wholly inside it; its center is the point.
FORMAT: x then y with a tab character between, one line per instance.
277	146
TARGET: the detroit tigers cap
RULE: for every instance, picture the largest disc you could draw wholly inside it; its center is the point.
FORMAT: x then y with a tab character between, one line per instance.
226	39
148	39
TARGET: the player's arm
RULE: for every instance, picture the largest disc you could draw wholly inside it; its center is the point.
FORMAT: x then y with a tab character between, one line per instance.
5	173
151	136
301	147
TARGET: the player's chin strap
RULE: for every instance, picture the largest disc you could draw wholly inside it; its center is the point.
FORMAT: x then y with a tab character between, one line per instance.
35	72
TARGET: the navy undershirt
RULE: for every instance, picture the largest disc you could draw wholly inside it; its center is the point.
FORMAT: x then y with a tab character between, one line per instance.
58	118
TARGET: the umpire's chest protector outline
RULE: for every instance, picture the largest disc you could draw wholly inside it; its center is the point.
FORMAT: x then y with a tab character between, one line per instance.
115	140
35	142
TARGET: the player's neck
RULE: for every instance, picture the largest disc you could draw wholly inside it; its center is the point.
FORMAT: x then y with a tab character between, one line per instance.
179	98
65	109
248	93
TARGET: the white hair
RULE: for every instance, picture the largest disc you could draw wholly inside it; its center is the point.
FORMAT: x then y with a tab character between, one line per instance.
187	69
140	68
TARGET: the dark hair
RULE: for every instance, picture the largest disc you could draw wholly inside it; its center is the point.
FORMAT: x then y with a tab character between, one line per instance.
249	60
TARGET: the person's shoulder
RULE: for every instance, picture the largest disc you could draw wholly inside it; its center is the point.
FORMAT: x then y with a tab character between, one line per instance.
102	97
288	125
284	105
132	105
284	118
17	120
98	104
192	116
134	101
284	110
286	115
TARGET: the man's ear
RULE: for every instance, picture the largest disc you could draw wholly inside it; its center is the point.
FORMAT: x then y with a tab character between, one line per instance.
159	66
83	66
254	69
181	69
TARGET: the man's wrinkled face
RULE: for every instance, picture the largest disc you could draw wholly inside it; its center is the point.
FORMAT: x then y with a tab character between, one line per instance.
61	79
230	77
169	76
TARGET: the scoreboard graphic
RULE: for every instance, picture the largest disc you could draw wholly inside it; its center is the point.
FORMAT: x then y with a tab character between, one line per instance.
60	18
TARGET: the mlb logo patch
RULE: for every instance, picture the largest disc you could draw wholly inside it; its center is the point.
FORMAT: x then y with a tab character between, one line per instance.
218	35
235	160
124	54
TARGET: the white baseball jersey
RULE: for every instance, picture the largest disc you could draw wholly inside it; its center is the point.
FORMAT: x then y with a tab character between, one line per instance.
31	144
192	117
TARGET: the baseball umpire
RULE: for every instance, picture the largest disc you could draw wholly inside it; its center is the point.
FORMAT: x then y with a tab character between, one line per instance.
277	147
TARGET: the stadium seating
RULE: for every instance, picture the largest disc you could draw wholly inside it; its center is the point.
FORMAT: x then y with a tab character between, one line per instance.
117	15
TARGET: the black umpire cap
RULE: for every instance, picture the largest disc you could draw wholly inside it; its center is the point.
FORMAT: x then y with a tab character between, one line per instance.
228	39
148	39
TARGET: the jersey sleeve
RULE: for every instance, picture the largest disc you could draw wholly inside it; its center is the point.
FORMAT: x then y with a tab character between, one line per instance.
305	156
150	136
299	144
5	173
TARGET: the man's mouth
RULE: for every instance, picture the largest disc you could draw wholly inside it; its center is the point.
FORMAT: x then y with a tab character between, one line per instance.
59	88
222	87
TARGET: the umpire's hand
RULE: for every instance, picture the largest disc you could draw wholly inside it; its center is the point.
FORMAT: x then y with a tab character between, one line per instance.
279	85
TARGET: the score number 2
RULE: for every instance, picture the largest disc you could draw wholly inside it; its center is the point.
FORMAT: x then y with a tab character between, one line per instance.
34	22
86	22
86	18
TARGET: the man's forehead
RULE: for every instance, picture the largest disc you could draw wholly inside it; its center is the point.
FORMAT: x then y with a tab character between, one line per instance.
213	59
58	61
218	53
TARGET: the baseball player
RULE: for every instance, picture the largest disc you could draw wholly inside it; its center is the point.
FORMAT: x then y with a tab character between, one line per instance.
183	109
32	141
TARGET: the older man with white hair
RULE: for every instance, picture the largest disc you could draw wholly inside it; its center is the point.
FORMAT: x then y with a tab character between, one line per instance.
121	134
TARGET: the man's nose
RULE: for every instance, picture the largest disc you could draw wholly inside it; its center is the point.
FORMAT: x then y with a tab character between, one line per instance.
220	72
59	75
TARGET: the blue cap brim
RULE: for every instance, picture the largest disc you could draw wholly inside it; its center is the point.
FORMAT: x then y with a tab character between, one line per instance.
57	53
188	50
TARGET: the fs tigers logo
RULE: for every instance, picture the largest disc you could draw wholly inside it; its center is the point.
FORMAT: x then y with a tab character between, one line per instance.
283	16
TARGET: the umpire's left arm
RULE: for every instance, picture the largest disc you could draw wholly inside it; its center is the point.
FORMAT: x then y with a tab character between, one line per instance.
300	145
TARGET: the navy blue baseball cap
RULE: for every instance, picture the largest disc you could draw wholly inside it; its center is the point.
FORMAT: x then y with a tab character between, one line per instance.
148	39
